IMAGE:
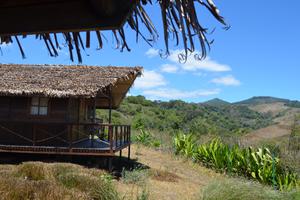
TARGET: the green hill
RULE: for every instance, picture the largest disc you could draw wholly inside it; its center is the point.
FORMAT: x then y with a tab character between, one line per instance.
268	100
174	116
217	102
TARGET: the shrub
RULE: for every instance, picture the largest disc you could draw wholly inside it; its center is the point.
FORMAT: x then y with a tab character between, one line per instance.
136	176
256	163
95	183
36	180
235	189
33	171
146	138
184	144
18	189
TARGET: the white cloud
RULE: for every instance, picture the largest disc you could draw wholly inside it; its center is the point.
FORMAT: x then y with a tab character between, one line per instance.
169	68
169	93
193	64
150	79
227	80
152	52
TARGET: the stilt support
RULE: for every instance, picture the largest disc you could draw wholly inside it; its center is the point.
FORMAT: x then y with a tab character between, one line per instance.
129	152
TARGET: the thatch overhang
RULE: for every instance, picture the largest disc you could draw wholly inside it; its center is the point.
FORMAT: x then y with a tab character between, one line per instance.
57	81
45	18
23	17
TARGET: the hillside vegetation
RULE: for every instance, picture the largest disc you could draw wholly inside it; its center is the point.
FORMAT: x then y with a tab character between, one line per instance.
215	117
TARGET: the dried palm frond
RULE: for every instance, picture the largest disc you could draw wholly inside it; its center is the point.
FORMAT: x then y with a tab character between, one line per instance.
179	20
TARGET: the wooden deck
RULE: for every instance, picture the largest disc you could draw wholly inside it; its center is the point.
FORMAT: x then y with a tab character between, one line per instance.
96	140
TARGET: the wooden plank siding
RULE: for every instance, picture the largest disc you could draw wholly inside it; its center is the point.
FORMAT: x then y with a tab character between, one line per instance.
15	120
68	128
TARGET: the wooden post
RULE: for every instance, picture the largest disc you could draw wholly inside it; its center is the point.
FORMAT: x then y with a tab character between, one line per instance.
94	121
110	136
120	153
129	141
78	119
34	135
94	110
116	135
129	134
70	130
129	148
122	135
110	104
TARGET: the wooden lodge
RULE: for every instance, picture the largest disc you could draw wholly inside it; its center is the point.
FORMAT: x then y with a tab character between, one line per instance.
52	109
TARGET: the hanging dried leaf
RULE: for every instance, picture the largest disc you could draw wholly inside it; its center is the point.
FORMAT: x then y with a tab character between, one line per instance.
180	21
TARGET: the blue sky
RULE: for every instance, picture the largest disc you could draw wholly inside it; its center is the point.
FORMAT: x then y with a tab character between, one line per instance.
259	55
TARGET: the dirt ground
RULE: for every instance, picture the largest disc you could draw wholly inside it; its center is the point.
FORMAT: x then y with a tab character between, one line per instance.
184	180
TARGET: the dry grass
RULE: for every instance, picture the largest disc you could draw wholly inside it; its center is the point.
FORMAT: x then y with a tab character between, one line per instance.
239	189
284	118
164	175
36	180
277	134
169	177
266	134
272	108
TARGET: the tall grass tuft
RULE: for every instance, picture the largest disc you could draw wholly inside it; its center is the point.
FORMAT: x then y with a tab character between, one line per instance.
236	189
136	176
36	180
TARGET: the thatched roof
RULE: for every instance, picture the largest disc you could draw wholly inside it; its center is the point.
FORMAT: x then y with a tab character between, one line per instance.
66	81
47	18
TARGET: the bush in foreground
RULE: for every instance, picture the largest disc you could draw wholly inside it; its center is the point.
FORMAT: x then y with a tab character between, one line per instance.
256	163
236	189
36	180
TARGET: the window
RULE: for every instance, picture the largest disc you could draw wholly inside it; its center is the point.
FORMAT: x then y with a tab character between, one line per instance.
90	112
39	106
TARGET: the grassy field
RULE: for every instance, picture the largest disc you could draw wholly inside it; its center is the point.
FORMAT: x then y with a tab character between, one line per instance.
151	174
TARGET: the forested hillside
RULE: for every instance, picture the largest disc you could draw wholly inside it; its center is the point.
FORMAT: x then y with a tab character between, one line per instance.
215	117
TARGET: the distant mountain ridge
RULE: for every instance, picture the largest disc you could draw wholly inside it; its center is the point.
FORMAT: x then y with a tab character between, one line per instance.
256	100
262	100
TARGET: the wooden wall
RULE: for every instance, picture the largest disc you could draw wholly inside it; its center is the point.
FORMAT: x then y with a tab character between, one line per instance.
15	119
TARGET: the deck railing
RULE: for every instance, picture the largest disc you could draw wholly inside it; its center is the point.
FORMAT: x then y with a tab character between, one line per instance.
116	136
107	137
